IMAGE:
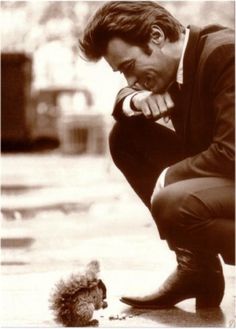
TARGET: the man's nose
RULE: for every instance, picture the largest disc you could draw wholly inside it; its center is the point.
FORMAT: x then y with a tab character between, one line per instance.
134	83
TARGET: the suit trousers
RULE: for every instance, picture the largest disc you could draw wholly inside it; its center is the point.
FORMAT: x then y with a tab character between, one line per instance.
196	213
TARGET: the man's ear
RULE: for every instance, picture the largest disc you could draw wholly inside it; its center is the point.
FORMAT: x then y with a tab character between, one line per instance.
157	35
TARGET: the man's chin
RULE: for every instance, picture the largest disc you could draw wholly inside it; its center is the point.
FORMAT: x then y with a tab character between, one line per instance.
158	90
161	90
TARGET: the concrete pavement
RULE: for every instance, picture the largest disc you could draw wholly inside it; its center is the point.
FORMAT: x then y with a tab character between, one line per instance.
58	213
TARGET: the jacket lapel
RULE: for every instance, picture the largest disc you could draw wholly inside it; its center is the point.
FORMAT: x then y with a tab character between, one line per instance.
189	68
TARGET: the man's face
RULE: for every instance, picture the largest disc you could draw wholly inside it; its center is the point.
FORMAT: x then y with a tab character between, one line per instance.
153	70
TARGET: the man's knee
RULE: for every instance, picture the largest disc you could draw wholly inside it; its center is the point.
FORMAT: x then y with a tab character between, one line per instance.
165	211
114	138
124	139
175	210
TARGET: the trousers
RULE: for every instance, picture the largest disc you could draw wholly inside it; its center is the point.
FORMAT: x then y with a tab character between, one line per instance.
196	213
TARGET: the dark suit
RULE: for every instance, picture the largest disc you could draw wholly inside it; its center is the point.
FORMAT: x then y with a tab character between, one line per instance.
199	154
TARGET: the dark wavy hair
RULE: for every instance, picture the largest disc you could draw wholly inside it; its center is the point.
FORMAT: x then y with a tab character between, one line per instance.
129	20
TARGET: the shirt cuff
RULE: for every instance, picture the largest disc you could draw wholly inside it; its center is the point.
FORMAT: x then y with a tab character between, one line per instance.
127	106
161	178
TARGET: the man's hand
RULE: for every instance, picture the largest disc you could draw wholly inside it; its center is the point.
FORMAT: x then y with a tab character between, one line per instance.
152	105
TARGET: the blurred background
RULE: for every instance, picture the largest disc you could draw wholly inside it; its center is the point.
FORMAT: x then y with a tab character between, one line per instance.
50	95
63	201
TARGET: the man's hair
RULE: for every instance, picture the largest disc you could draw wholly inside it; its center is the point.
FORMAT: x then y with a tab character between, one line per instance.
129	20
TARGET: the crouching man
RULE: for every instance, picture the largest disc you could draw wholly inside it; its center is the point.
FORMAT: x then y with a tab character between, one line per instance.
184	176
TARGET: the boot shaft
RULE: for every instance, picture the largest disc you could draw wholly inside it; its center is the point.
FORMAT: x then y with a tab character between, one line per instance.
189	260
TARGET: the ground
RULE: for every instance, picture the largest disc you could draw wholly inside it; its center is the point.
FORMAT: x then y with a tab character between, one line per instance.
58	213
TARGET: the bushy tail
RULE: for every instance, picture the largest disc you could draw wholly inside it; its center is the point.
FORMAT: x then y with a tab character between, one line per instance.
92	270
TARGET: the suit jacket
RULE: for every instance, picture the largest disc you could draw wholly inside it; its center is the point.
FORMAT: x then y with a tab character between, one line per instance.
203	115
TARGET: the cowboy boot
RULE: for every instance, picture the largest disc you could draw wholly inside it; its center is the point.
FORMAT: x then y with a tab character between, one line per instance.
198	275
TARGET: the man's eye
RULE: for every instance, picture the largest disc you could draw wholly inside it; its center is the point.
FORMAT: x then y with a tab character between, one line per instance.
128	68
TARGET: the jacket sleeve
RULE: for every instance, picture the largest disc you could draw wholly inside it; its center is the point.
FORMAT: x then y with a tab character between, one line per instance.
218	160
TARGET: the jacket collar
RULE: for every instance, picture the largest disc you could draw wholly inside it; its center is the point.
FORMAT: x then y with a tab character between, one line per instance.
190	56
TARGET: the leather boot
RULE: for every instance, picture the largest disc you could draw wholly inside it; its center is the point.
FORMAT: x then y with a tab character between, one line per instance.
198	275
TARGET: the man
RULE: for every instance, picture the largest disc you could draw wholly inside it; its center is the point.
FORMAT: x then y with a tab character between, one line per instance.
186	176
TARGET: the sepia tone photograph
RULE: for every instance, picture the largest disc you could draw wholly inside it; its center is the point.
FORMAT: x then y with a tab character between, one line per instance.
117	164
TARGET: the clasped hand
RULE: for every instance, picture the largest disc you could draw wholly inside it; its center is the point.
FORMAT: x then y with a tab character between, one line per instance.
152	105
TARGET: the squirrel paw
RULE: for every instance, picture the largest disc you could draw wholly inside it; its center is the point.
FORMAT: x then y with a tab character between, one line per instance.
93	323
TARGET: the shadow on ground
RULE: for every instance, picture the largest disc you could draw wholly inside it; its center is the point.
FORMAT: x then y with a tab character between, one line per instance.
178	317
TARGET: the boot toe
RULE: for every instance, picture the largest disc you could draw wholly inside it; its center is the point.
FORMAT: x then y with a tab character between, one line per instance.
140	302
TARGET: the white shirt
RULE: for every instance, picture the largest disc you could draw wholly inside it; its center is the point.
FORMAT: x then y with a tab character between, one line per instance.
179	79
180	71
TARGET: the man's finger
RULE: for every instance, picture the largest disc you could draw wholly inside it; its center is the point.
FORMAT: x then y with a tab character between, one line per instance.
153	105
146	110
161	104
168	101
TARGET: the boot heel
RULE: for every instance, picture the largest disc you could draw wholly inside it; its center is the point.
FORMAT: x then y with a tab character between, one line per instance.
208	300
212	296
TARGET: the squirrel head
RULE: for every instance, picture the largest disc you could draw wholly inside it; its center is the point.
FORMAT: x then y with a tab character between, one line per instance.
96	296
